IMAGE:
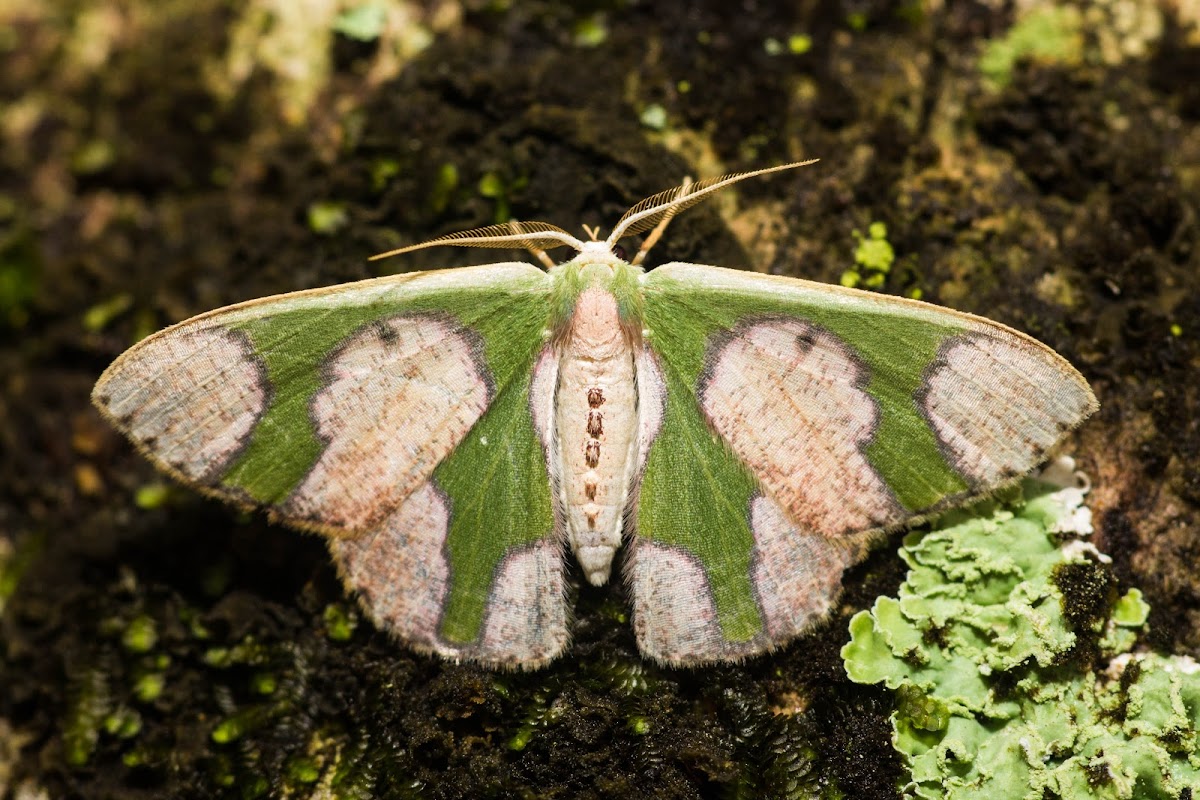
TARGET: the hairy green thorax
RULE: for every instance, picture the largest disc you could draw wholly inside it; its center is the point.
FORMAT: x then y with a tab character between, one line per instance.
626	287
569	279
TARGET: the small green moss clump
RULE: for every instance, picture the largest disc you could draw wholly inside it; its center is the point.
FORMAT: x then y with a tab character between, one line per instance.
340	622
327	217
873	258
1009	653
20	275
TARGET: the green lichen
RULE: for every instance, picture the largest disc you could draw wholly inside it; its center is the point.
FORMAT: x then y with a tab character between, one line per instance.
94	156
1009	655
364	23
248	720
1046	34
857	21
1131	610
264	683
797	44
654	117
303	770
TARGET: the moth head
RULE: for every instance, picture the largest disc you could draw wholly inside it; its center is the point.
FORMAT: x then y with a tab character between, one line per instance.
652	214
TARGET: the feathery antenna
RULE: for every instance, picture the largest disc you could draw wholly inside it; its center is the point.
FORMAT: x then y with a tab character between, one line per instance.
652	213
536	237
653	210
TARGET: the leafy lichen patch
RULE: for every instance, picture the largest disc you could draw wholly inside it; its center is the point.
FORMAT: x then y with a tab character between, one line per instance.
995	648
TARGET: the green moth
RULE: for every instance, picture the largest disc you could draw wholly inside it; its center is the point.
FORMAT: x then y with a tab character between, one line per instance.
745	436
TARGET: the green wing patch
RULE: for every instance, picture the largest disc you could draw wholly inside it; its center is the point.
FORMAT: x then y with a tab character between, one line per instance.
694	500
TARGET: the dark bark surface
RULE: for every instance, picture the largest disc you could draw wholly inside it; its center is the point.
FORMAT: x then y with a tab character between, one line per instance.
159	159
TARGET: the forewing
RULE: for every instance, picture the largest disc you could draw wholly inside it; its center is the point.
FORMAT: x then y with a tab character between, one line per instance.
799	418
393	415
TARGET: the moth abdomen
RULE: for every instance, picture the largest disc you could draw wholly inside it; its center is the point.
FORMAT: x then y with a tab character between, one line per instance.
595	448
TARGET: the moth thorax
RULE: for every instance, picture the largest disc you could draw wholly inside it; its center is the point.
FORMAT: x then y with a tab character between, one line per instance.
596	421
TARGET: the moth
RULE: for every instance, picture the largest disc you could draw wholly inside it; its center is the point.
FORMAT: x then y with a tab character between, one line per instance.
743	437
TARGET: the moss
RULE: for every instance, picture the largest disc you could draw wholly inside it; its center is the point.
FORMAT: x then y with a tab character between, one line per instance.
124	723
590	31
383	170
327	217
982	707
149	687
140	635
89	704
873	258
20	279
444	187
15	559
99	316
799	43
1089	592
152	495
499	190
340	622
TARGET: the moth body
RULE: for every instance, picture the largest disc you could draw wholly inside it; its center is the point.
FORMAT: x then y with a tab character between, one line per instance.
596	428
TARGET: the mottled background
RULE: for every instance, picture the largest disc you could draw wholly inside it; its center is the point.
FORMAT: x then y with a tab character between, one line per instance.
1034	162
